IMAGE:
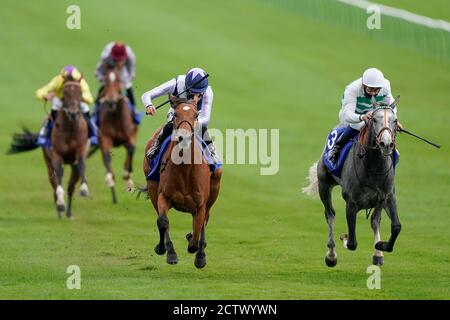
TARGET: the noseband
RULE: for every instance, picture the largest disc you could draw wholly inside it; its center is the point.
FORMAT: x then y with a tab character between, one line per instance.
385	128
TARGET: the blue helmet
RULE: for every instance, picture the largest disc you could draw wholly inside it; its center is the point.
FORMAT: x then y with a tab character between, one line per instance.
193	76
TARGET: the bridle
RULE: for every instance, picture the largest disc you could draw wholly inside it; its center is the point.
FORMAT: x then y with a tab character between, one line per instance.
186	121
385	127
67	113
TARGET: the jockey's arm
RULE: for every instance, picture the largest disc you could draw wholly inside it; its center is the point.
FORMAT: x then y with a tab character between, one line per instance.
131	63
100	67
348	112
205	113
165	88
86	92
53	86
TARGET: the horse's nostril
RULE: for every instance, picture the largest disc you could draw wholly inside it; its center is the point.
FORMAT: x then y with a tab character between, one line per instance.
391	145
382	144
180	138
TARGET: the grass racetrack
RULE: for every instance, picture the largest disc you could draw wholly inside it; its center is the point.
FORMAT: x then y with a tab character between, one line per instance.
269	68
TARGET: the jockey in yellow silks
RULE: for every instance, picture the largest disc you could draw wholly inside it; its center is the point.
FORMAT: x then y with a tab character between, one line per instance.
53	91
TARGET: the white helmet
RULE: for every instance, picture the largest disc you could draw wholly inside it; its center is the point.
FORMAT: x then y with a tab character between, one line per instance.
373	78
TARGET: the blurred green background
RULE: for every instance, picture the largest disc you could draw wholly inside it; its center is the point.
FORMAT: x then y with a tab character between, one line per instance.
273	64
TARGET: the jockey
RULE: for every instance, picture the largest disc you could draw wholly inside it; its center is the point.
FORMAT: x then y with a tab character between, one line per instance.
120	55
200	93
357	106
54	91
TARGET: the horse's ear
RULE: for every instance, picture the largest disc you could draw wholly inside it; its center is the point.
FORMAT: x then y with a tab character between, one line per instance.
395	103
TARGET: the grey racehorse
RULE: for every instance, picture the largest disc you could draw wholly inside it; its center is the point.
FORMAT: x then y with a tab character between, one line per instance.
367	181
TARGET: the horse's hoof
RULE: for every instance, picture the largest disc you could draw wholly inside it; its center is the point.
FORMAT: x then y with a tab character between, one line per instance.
172	258
189	236
382	246
330	262
200	260
60	208
352	245
160	250
377	261
84	193
192	249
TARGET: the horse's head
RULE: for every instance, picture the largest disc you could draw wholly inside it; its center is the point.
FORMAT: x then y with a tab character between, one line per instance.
111	93
184	120
72	99
383	126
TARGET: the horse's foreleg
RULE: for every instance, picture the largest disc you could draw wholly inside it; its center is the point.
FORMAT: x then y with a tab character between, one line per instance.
128	168
81	168
200	257
74	176
350	240
59	171
198	223
325	189
391	209
106	153
50	172
377	258
163	223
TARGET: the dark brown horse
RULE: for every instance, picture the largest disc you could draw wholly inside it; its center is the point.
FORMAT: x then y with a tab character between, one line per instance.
70	145
187	186
116	128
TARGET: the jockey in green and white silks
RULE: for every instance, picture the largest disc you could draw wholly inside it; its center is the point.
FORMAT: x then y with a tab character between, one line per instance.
199	91
357	106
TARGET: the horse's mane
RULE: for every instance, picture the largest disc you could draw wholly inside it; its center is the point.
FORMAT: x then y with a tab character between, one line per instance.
364	135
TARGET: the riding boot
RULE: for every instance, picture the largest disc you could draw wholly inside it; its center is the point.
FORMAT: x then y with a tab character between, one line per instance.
165	132
135	114
46	130
349	133
92	129
210	145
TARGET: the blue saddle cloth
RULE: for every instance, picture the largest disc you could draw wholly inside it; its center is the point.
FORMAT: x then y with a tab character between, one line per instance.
155	162
335	168
137	115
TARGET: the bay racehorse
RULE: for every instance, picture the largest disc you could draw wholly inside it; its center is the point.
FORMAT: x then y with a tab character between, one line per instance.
116	128
367	181
186	185
69	145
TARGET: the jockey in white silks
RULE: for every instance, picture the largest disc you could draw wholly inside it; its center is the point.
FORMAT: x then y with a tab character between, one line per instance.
357	106
199	91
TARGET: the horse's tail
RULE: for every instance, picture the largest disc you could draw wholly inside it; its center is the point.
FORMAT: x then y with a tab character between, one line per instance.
142	190
313	188
24	141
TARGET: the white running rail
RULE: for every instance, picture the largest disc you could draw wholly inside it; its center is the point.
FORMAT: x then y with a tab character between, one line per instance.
401	14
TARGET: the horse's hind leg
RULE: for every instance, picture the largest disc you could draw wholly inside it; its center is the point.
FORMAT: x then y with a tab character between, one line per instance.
74	176
377	258
325	188
128	168
391	209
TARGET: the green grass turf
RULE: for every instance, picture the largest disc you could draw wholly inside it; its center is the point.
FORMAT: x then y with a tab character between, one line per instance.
269	69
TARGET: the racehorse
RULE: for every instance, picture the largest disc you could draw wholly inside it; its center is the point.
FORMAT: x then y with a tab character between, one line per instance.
187	186
367	181
70	145
116	128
